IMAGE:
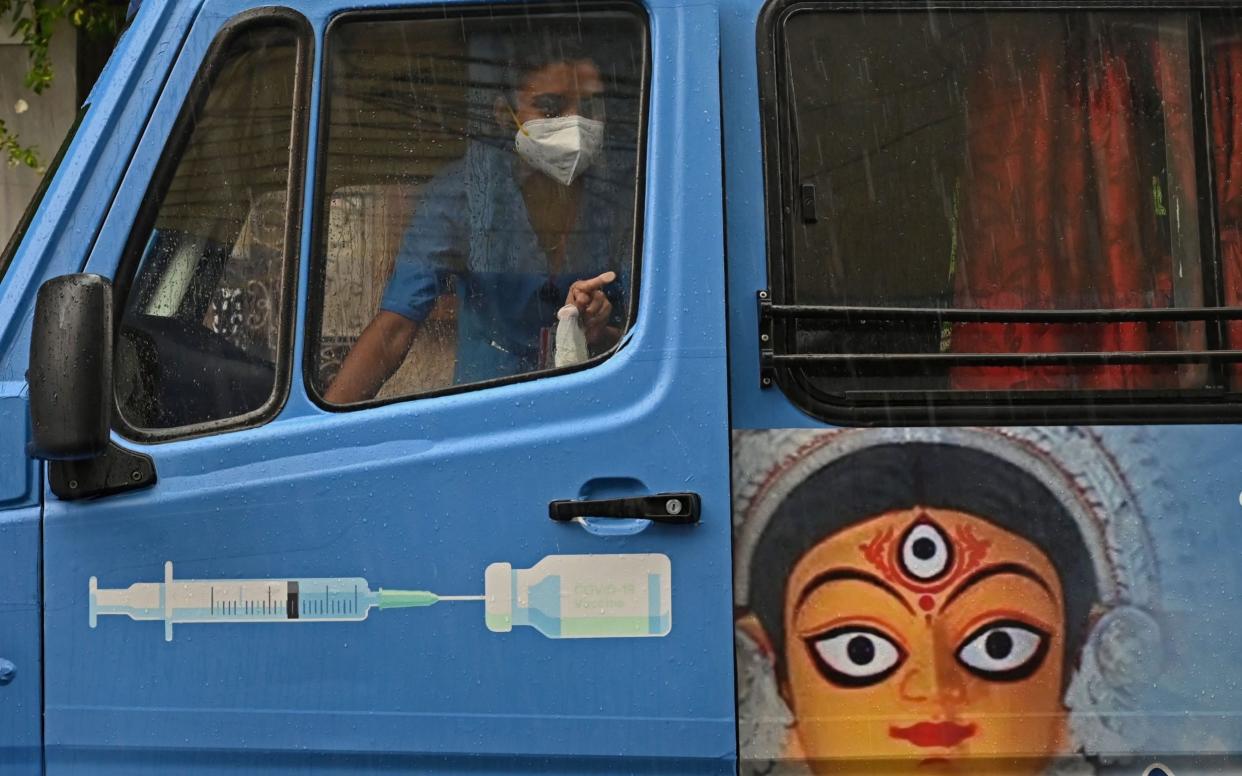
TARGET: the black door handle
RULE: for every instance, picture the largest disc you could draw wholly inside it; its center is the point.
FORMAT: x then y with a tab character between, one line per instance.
674	508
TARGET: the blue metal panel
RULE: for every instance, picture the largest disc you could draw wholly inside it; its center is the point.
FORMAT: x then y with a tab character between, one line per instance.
56	243
744	205
426	494
21	699
17	472
68	218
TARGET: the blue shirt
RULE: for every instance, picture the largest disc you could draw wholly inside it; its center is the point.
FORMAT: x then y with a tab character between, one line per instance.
472	229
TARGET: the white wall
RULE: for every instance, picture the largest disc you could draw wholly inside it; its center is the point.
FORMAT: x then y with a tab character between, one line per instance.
43	125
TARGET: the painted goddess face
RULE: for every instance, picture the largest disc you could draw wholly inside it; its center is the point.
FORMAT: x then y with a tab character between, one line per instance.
925	641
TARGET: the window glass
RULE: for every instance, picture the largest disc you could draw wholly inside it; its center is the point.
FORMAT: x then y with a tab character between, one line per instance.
1009	161
200	334
478	203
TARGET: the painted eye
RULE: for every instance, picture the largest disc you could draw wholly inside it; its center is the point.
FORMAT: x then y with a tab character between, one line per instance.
925	552
1004	651
856	656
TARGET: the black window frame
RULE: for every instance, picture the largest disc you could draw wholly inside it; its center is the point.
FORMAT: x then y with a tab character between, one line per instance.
319	216
161	180
780	363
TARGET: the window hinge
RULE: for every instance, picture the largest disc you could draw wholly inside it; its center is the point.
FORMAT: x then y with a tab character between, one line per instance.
767	362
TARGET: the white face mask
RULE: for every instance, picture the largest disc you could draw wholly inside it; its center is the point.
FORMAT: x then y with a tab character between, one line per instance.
561	148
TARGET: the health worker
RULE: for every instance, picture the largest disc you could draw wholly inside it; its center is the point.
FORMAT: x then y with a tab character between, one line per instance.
517	228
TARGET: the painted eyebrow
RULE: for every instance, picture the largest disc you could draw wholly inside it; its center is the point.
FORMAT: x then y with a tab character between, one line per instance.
838	575
992	571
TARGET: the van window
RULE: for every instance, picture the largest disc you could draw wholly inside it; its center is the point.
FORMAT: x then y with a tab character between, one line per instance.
948	173
204	320
480	173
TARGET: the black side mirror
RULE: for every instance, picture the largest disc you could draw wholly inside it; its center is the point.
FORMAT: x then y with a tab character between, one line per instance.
70	373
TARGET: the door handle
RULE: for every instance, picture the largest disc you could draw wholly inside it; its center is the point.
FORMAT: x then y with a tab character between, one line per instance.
672	508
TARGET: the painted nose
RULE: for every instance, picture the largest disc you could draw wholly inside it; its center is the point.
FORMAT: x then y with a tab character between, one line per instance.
922	683
914	685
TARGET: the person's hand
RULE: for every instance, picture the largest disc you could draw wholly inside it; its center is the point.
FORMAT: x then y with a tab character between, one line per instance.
594	309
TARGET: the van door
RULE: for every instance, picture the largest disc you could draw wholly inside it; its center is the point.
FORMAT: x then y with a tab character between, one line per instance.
53	238
21	746
372	581
985	412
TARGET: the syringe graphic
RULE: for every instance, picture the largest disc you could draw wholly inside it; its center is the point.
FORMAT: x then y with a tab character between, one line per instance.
562	597
323	599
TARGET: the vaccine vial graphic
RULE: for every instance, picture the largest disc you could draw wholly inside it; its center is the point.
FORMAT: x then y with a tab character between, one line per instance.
583	596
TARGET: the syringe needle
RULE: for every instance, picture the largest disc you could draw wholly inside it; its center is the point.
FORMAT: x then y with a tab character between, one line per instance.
396	599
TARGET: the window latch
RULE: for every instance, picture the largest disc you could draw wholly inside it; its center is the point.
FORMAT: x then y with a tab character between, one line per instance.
806	199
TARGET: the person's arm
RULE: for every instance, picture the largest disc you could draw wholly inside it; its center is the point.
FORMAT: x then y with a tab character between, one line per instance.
432	241
373	359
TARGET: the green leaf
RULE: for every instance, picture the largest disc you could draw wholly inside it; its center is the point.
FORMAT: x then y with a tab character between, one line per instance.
17	153
33	23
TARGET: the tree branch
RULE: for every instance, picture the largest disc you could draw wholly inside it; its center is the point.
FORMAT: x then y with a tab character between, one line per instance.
33	23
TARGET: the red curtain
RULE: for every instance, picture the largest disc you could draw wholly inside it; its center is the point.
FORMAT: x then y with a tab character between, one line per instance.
1059	206
1225	85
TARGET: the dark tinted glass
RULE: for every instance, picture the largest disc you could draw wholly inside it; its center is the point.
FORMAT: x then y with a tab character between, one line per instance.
1009	160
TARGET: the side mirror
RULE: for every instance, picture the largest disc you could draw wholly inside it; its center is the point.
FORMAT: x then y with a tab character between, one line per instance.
70	373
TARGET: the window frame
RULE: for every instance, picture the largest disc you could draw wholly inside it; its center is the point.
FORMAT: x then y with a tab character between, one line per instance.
961	406
319	216
157	188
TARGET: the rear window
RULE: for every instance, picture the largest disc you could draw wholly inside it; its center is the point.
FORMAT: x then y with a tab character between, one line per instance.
1036	211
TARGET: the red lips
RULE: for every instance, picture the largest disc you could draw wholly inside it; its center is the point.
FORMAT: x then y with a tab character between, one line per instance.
934	733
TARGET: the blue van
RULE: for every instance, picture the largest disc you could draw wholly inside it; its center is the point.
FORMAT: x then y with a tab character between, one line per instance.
620	386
